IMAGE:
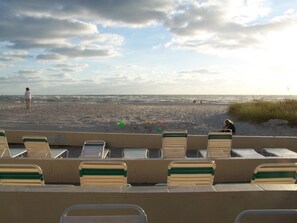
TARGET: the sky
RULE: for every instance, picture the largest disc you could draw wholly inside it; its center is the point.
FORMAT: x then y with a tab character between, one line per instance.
94	47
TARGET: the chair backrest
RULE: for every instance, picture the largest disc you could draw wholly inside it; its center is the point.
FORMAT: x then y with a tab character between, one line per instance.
4	148
37	147
93	148
117	213
190	173
21	174
174	143
275	173
103	173
219	144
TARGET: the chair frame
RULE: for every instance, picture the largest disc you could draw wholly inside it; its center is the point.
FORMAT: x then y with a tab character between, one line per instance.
102	153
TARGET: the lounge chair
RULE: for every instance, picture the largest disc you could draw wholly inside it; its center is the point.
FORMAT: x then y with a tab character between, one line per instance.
280	152
190	173
275	173
174	144
218	146
117	213
21	174
5	151
103	173
38	147
135	153
94	149
246	153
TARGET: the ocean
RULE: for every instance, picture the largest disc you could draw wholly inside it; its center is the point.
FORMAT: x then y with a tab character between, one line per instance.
182	99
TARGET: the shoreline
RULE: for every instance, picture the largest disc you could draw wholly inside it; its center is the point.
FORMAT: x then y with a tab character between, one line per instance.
148	118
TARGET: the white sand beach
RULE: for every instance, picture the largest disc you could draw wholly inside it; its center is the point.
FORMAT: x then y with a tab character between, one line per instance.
198	119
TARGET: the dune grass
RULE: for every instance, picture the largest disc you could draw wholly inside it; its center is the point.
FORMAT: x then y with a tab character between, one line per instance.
262	111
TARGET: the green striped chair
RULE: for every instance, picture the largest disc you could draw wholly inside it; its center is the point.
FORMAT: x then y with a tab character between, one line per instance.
103	173
38	147
21	174
190	173
5	151
174	144
275	173
219	144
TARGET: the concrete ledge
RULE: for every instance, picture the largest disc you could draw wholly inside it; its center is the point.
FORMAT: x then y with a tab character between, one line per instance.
46	204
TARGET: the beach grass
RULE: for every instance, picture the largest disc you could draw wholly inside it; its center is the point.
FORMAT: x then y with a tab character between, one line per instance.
263	111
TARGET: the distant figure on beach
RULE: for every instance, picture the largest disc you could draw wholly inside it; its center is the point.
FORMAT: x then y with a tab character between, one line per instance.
229	125
28	98
194	101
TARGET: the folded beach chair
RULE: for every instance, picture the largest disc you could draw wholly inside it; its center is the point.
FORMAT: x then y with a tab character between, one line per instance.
38	147
218	145
103	173
174	144
116	213
190	173
246	153
21	174
280	152
94	149
135	153
5	151
275	173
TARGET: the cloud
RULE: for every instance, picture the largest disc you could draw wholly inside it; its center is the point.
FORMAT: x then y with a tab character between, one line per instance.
15	56
3	64
71	67
117	12
23	76
50	56
213	26
61	27
84	51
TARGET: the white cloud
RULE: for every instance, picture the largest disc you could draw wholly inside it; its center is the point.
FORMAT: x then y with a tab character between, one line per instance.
15	56
247	32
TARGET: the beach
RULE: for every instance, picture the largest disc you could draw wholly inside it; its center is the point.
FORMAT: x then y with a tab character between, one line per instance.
152	118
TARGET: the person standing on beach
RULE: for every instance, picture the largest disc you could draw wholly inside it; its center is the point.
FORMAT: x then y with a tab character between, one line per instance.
229	125
28	98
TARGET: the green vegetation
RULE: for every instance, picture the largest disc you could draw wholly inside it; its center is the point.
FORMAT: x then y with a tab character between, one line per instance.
262	111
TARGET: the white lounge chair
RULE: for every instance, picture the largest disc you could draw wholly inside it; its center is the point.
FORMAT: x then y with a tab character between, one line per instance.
94	149
135	153
280	152
117	213
5	151
174	144
246	153
38	147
